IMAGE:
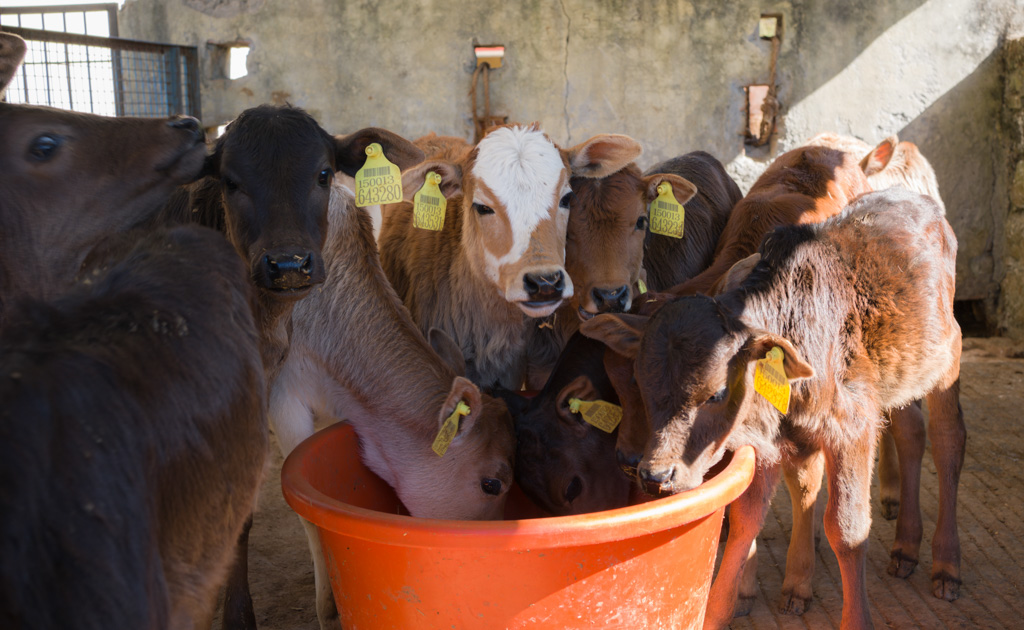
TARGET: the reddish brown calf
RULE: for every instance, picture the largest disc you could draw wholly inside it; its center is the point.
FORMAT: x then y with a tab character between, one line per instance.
862	308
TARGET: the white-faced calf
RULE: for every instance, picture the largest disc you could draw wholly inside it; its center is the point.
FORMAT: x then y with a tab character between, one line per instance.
862	308
499	258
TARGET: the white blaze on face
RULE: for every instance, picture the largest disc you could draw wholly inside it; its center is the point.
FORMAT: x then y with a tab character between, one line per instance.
524	171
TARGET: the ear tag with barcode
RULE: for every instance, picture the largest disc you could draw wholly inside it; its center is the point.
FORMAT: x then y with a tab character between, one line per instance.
428	204
770	379
667	214
379	181
598	413
449	429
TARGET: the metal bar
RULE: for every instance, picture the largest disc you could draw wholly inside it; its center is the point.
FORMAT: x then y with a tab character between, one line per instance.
112	20
88	77
67	62
88	40
172	80
46	64
61	8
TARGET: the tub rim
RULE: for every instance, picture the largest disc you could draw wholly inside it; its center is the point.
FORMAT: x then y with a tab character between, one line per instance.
518	534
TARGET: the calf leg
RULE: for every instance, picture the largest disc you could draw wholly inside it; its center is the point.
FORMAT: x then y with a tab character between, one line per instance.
748	583
848	522
238	610
746	515
803	478
949	438
888	473
907	429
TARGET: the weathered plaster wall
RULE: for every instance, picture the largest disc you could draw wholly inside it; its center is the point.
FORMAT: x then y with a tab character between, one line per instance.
667	72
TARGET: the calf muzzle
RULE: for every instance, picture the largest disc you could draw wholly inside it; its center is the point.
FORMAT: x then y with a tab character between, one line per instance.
611	300
291	271
544	287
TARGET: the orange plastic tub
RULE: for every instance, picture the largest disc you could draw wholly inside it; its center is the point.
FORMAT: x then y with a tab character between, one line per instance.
643	566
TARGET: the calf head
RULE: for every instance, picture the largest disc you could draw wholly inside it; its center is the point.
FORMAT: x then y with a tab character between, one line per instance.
563	464
895	163
70	179
471	480
695	369
604	248
273	169
514	194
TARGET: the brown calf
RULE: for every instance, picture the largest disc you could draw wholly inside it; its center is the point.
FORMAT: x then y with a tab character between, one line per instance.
862	307
357	356
134	434
499	259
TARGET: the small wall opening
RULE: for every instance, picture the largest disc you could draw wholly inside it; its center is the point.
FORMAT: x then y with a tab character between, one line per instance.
229	60
970	314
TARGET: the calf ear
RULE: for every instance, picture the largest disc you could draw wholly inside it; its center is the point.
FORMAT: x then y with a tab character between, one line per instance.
581	387
350	150
796	367
450	352
12	53
465	391
878	159
619	331
682	188
736	275
451	178
602	155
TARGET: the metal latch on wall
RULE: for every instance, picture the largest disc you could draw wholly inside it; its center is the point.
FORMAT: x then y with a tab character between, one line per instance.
762	100
487	58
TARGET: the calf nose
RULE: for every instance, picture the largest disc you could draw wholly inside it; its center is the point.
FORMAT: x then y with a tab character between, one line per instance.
574	489
288	270
189	124
611	300
628	463
657	482
544	287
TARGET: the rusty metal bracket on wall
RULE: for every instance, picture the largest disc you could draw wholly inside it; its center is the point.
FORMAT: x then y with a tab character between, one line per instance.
762	100
487	58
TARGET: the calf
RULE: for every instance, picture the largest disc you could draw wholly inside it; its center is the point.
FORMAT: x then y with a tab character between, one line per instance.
134	437
70	180
562	463
862	308
357	355
267	185
498	261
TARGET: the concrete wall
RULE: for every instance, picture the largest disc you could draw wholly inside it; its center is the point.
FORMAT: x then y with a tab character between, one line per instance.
667	72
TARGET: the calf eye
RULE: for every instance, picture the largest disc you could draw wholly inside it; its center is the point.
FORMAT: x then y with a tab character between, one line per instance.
641	223
481	209
43	148
566	199
324	178
491	486
230	184
719	396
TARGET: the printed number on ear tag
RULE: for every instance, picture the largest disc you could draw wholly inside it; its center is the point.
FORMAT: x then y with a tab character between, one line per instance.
667	214
449	429
770	379
379	181
428	205
598	413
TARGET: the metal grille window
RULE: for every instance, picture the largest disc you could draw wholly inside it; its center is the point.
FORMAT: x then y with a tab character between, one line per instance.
102	75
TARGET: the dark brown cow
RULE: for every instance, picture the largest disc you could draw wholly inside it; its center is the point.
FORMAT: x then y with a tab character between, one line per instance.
70	180
562	463
357	356
134	439
862	307
267	186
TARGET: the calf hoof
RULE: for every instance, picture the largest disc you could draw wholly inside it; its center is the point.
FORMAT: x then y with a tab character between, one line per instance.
793	604
901	566
945	586
890	509
743	606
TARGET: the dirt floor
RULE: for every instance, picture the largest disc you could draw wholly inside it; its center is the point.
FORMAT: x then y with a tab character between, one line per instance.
991	520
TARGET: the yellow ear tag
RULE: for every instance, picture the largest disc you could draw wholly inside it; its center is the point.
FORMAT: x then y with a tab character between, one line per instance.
428	204
640	285
770	379
598	413
449	429
379	181
666	213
